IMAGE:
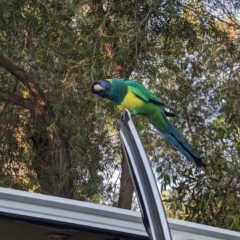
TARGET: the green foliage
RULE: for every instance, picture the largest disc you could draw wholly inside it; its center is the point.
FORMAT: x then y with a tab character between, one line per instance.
185	52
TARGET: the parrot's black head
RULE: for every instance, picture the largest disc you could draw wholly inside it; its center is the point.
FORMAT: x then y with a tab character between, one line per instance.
101	88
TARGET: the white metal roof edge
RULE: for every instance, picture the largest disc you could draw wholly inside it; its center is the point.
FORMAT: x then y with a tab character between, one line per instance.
202	229
84	214
93	215
60	202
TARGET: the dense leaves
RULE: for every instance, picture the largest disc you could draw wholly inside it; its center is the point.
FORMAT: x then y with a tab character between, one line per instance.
57	138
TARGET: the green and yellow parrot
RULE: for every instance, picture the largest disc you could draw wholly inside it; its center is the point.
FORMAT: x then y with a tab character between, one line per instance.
130	94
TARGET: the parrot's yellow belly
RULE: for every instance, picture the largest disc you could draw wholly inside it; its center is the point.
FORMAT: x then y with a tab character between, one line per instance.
130	101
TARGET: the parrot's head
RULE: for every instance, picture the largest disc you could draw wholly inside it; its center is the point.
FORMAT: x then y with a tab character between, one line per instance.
113	89
102	88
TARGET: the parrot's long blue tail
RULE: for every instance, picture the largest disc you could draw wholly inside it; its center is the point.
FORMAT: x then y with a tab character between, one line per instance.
181	144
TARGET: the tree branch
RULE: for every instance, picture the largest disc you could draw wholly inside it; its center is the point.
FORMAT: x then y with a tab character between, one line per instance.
29	104
25	78
11	97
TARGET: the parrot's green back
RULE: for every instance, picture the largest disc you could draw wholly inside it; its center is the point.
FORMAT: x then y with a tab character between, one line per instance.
139	100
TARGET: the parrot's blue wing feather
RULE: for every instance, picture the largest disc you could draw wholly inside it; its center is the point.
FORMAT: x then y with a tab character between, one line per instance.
181	144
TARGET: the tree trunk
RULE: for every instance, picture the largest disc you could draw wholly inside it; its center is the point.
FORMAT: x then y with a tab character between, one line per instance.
52	164
127	188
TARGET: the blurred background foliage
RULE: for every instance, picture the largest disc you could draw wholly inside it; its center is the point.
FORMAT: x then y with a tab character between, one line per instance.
57	138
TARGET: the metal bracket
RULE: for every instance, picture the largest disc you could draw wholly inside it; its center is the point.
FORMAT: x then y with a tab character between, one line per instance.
153	215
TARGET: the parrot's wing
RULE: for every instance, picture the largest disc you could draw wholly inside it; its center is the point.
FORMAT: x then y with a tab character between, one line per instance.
144	94
141	92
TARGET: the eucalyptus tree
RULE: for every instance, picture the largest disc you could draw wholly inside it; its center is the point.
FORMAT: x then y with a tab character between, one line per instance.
59	139
50	136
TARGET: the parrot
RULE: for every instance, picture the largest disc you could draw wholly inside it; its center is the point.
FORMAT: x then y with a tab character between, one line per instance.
132	95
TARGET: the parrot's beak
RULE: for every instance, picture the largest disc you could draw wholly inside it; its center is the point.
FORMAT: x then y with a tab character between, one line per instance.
96	87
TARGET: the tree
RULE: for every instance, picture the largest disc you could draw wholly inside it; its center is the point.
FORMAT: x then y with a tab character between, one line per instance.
39	41
59	139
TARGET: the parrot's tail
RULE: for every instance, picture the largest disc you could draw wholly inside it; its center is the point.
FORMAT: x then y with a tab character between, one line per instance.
181	144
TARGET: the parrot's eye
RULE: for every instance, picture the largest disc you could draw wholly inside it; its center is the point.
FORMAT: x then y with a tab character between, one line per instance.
98	88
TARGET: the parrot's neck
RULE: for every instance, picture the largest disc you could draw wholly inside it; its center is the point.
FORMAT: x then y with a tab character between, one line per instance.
118	92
